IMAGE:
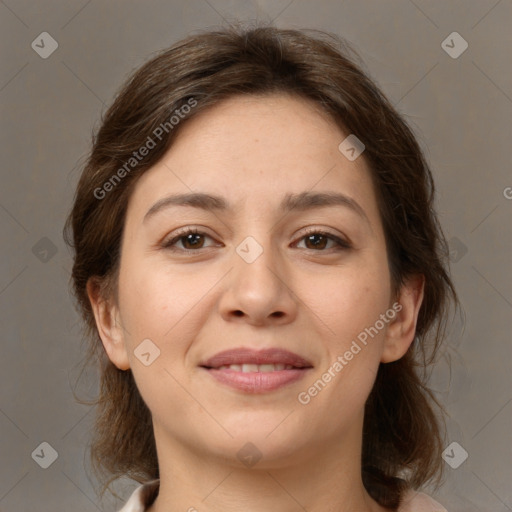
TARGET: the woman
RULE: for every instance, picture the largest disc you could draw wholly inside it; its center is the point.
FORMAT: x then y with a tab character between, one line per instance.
264	282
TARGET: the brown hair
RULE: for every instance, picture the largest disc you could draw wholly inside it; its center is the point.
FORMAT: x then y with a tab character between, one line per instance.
402	439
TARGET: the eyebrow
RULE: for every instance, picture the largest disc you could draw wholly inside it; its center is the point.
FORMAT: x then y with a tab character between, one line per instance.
291	202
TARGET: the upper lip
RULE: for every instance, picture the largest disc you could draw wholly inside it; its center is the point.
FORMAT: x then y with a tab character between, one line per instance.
250	356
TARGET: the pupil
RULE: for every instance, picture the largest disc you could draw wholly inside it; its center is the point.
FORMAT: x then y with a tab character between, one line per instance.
317	244
193	240
190	239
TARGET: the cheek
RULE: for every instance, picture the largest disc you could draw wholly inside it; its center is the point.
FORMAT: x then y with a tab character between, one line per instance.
349	306
353	298
161	304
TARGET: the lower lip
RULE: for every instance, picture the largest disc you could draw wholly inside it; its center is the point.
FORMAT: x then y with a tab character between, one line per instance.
257	382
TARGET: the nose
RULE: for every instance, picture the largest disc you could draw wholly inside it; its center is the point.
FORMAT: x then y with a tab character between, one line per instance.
259	291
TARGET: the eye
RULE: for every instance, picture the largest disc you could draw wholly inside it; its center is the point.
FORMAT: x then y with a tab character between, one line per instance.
319	239
190	238
315	239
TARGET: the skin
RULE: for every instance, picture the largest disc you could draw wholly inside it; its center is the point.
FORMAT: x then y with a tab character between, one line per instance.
309	300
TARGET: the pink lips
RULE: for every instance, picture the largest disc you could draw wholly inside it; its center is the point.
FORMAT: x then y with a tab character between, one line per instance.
256	381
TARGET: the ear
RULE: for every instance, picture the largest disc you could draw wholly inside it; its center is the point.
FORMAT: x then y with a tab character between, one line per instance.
109	328
402	329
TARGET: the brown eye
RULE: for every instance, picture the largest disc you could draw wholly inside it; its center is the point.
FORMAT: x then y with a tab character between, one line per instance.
190	240
318	240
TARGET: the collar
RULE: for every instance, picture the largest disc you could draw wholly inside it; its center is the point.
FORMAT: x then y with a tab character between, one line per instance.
142	497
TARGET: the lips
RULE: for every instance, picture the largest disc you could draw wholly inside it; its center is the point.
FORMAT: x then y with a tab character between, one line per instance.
248	357
256	371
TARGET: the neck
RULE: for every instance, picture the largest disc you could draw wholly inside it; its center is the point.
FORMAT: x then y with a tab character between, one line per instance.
318	479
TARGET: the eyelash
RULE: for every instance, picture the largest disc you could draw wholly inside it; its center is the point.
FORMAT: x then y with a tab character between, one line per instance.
342	244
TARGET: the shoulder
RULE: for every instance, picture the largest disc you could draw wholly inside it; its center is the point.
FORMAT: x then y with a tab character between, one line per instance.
142	497
415	501
412	501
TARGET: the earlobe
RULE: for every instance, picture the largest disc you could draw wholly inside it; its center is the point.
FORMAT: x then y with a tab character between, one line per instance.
108	325
401	331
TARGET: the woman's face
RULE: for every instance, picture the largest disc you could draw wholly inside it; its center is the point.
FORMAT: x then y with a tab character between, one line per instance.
273	267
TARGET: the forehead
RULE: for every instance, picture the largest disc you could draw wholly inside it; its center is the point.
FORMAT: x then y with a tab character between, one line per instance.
248	124
256	149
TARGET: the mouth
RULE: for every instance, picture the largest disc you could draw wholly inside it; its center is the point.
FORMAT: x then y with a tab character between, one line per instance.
254	371
261	368
249	360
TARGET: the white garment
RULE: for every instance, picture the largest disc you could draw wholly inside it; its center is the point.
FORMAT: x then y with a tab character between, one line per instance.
145	494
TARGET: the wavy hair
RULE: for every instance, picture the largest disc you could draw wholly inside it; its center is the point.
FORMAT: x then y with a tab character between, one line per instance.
402	432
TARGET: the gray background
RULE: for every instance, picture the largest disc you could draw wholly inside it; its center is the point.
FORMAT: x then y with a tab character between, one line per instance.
460	108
